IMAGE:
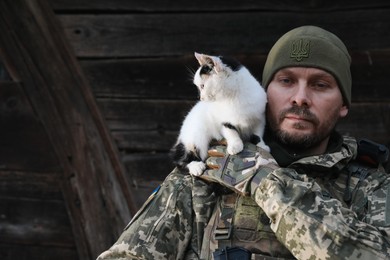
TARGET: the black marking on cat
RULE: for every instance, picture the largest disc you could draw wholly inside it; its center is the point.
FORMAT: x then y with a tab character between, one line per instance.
255	139
206	69
233	64
181	157
230	126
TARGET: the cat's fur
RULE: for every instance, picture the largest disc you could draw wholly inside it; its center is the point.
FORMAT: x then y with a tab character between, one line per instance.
232	106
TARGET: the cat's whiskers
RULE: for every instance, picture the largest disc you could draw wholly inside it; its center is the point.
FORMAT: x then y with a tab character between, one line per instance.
191	72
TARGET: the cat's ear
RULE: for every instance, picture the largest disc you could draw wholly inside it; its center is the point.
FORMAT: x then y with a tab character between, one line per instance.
201	58
204	59
211	60
218	65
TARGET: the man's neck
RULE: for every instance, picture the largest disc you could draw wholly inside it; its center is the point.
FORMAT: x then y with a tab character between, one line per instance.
285	155
318	149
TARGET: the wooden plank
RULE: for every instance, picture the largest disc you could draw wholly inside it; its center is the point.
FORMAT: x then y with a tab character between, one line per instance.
35	52
171	78
369	76
4	76
159	115
35	222
24	144
162	116
34	185
23	252
143	35
207	6
147	166
146	171
144	189
153	140
367	120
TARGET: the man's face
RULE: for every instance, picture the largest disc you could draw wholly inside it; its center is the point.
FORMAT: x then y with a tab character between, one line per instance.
304	105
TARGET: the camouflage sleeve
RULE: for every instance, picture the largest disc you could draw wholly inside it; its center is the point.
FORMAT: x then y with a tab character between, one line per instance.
313	226
169	223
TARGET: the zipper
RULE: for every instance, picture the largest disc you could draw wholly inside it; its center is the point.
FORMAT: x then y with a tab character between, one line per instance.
156	224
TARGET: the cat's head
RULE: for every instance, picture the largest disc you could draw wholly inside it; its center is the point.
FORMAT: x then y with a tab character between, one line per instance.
215	76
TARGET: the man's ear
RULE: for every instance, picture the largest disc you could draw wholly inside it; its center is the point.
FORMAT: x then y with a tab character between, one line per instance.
343	111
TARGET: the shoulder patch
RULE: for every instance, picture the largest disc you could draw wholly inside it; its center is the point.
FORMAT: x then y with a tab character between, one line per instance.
146	203
372	153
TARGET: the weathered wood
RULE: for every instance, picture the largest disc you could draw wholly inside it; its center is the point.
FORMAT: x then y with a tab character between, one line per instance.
146	171
368	120
34	185
35	52
145	188
163	116
171	78
24	144
153	140
142	35
369	73
207	6
139	53
147	166
4	76
35	222
364	120
150	114
14	251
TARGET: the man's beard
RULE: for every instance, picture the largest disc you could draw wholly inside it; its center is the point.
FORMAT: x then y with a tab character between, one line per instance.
302	141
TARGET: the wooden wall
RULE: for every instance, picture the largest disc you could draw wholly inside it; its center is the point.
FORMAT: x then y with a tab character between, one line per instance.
138	58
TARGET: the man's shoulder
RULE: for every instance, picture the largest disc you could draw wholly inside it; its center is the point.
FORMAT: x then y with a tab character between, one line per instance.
368	167
371	153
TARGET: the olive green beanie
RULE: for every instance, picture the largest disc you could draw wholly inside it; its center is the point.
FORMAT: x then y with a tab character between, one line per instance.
311	46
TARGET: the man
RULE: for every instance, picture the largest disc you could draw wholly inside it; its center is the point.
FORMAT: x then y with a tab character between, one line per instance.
313	198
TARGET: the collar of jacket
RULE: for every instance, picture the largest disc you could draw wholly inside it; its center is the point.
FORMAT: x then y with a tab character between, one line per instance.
340	150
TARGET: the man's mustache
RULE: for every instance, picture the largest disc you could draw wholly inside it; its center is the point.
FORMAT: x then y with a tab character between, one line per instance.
302	112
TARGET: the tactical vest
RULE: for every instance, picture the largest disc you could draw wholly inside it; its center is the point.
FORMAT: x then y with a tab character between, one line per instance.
238	221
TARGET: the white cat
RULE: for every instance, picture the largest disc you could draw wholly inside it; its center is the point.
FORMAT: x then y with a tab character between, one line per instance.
232	106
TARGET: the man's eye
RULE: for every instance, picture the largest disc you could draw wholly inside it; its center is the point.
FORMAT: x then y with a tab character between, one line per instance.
321	85
285	81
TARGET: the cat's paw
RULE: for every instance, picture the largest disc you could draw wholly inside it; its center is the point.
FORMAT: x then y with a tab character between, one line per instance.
235	147
196	168
261	144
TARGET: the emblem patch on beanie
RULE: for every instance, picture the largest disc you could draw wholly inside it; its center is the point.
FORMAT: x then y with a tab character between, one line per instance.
300	49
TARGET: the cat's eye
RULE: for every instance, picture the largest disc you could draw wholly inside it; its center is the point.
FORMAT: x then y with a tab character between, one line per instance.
206	69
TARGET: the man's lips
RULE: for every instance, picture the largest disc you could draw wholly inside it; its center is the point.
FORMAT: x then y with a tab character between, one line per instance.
297	118
298	115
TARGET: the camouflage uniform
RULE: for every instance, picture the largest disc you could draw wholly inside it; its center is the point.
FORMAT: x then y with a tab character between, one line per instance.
319	207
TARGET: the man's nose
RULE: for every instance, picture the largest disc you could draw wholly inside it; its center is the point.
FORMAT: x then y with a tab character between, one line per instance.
301	95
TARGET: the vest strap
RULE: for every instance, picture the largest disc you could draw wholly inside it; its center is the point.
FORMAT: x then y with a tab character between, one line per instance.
223	230
242	254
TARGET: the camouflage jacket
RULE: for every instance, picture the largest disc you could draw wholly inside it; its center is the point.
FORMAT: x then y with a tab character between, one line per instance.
319	207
